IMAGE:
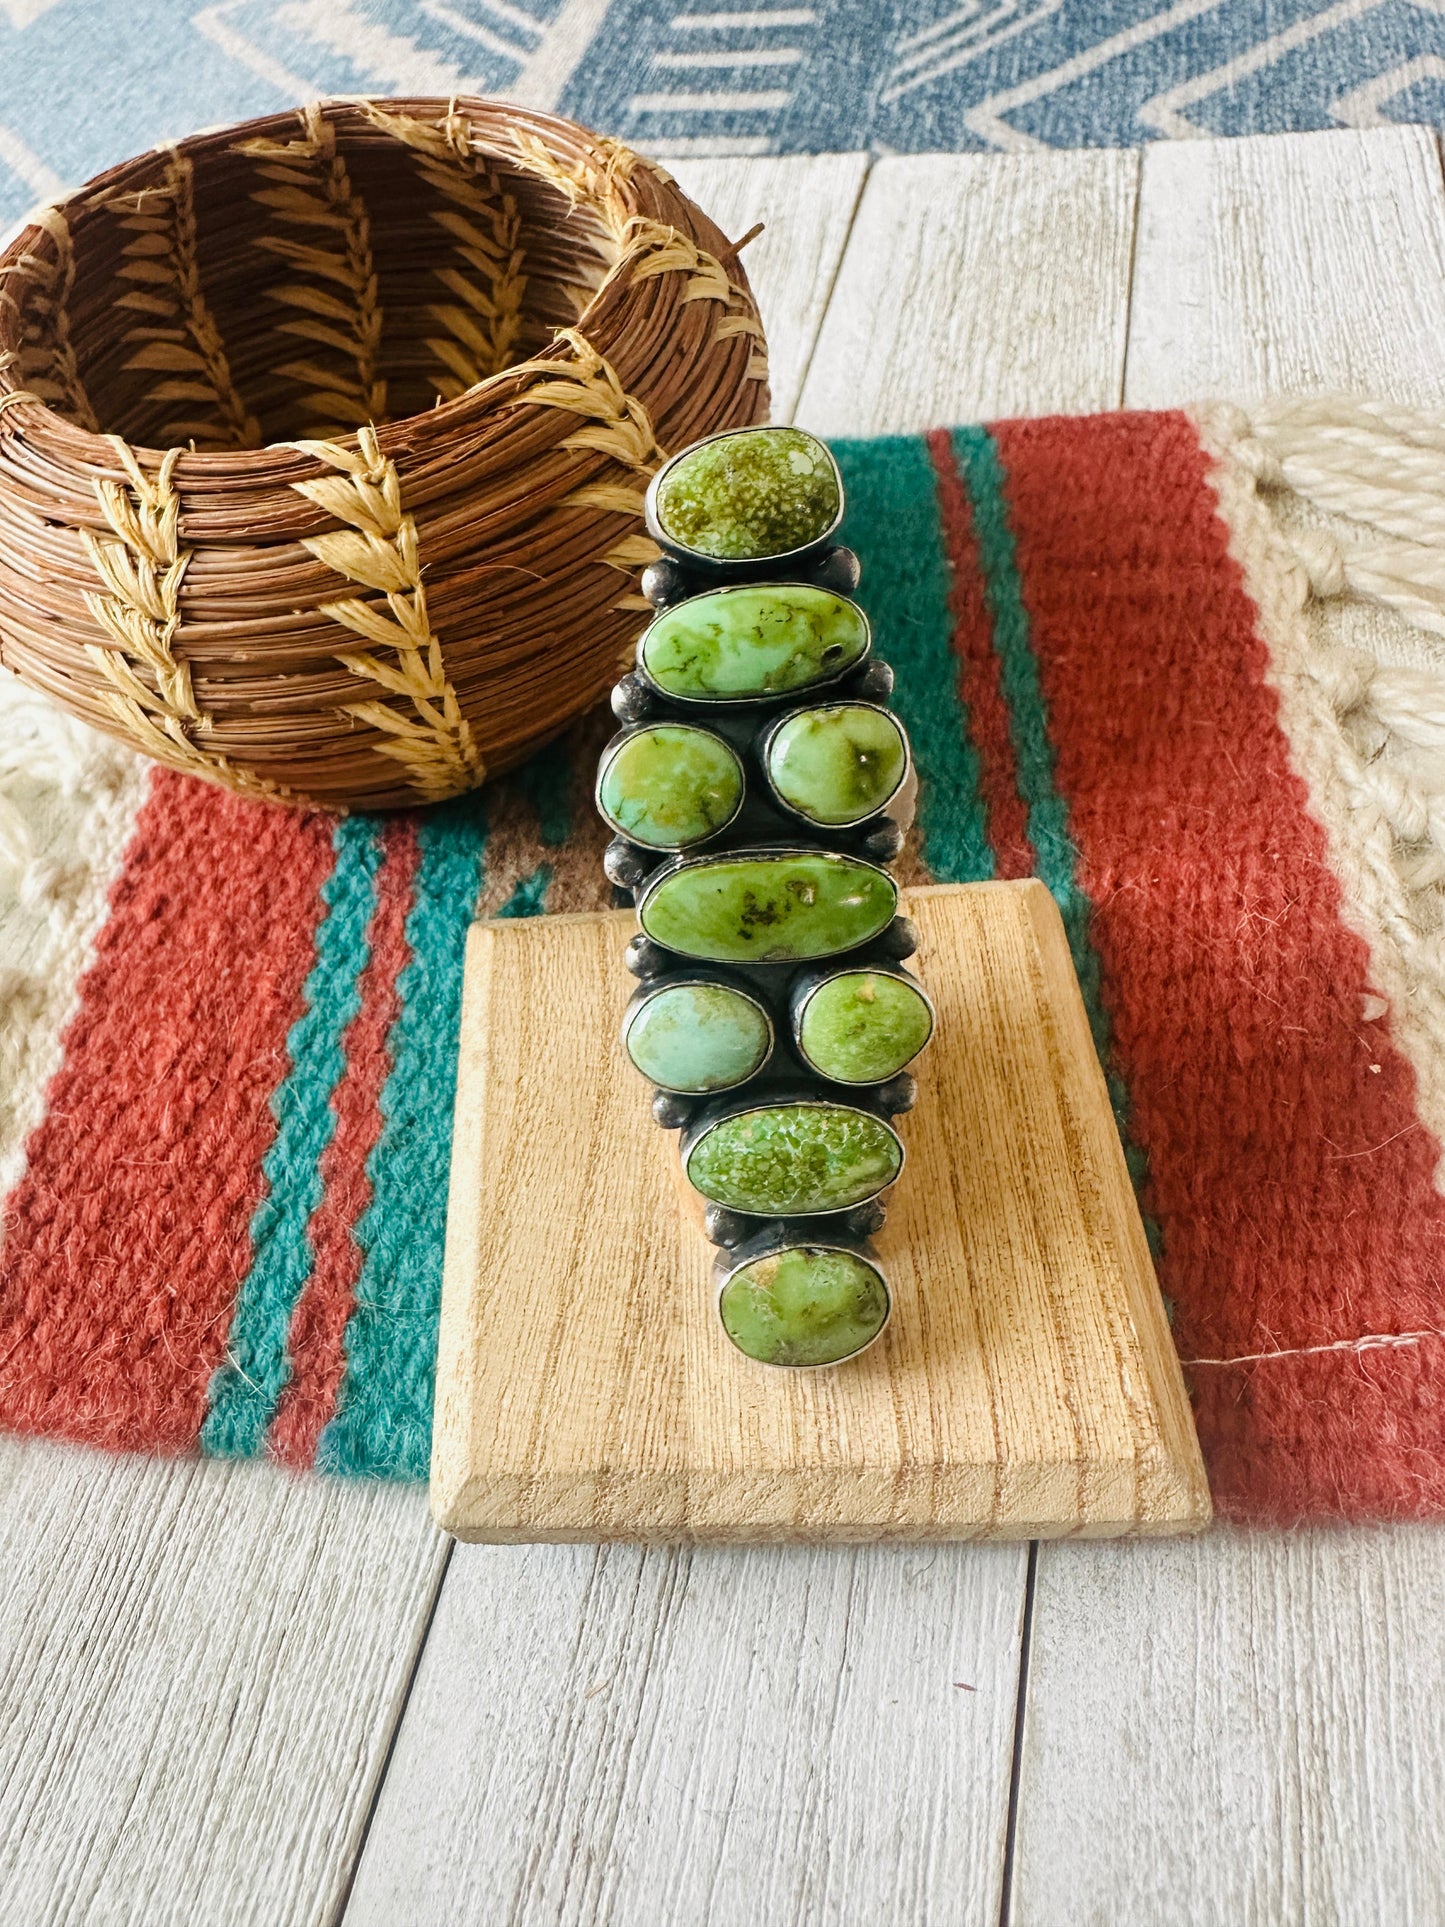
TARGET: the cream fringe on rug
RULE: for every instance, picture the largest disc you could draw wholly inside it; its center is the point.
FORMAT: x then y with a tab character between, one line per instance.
1336	510
68	801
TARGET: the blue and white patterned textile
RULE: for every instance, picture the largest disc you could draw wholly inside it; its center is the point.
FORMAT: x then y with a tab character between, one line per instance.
84	83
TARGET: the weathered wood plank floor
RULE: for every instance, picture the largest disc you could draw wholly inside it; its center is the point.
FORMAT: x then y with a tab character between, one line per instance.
226	1696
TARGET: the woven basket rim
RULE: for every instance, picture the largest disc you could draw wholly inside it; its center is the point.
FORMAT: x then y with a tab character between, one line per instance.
276	460
369	610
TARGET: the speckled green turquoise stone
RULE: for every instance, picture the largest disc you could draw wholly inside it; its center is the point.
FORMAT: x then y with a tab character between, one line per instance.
839	763
698	1037
863	1026
743	497
758	909
805	1306
782	1159
755	641
669	785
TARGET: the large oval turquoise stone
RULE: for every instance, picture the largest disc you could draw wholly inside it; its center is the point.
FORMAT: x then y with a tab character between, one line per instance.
769	909
786	1159
768	640
744	497
863	1026
670	785
698	1037
805	1306
839	763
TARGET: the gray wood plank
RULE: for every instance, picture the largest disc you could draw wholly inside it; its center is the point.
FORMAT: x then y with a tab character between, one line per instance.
610	1736
976	286
808	203
1249	1727
200	1669
1259	263
738	1736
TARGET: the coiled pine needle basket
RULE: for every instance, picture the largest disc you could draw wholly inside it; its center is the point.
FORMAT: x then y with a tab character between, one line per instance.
324	439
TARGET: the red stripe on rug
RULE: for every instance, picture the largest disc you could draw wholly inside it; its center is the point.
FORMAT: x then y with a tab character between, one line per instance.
1289	1172
318	1325
128	1235
1006	815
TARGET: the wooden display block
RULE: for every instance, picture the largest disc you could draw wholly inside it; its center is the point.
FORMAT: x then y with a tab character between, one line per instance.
1026	1383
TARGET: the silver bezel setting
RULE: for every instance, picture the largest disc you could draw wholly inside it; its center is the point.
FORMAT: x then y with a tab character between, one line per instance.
799	1005
750	853
701	1127
860	661
614	749
765	751
726	1276
650	992
732	565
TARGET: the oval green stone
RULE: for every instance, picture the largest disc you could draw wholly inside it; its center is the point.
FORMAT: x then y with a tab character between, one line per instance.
743	497
698	1037
786	1159
838	764
806	1306
670	785
755	641
863	1026
769	909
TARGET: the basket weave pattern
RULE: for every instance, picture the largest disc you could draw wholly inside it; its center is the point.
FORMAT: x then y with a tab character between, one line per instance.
324	440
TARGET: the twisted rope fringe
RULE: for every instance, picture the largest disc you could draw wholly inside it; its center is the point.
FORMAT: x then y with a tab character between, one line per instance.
47	360
430	738
179	339
484	317
1336	509
313	191
142	569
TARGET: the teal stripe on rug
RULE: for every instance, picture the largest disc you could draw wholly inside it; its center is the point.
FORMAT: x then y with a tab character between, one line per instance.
244	1391
1058	859
893	524
382	1427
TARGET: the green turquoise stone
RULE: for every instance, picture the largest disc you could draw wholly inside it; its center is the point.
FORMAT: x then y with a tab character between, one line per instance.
698	1037
782	1159
739	643
838	764
805	1306
669	785
769	909
743	497
863	1026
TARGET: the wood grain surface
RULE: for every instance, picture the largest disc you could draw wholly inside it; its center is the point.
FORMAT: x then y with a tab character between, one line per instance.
1025	1384
200	1668
976	286
766	1736
806	203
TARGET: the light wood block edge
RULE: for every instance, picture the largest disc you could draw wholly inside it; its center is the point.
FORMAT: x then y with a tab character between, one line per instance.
1017	1405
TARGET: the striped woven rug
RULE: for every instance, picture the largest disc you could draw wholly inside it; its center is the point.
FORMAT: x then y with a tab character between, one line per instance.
1131	662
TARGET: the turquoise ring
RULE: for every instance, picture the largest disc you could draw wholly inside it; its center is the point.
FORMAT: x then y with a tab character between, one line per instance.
757	789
